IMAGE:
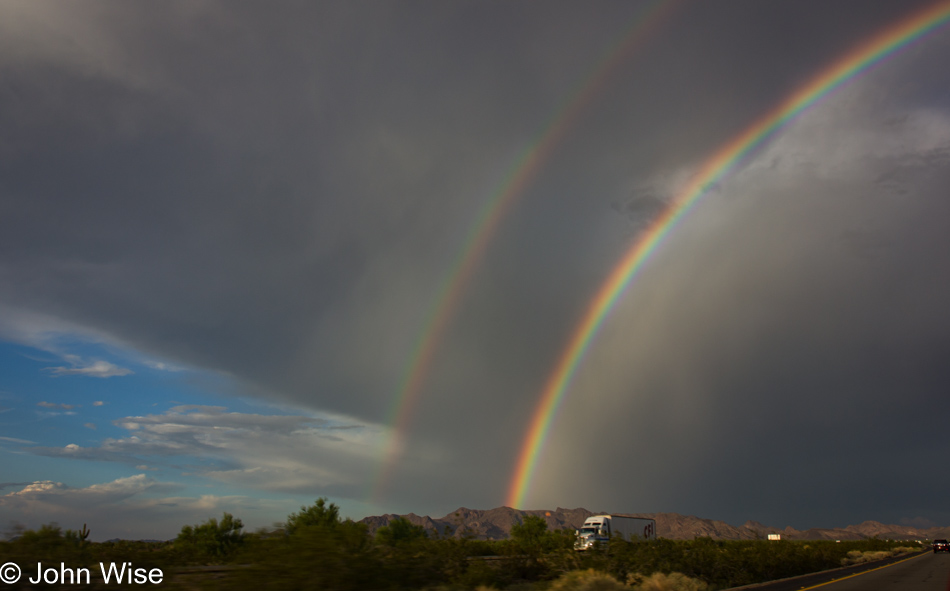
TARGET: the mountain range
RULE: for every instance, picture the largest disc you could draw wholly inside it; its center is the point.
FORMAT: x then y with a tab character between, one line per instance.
495	524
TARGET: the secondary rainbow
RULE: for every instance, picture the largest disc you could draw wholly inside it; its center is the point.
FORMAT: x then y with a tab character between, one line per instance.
522	172
715	168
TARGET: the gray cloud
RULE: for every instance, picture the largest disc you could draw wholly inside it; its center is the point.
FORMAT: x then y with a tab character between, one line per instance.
4	485
285	212
642	207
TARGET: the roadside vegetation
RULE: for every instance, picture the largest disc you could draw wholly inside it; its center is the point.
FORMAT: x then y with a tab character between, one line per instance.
316	549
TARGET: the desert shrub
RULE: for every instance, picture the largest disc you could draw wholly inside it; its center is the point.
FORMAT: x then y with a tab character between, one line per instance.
319	551
480	575
726	563
338	557
666	582
859	557
587	580
50	544
905	549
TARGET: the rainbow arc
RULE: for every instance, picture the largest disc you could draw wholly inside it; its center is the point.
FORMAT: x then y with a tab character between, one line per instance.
453	286
723	161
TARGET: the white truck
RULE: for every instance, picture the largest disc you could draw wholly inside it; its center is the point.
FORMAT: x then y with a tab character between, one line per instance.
600	528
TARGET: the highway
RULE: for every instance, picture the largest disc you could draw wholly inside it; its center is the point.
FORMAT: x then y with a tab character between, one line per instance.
922	572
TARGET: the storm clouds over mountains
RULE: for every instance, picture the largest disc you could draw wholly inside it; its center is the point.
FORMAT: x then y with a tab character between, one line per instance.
224	229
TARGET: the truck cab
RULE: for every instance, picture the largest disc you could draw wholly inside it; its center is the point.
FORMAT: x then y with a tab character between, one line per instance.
591	532
600	528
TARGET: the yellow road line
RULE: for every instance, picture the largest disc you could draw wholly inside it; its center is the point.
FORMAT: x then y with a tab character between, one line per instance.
864	572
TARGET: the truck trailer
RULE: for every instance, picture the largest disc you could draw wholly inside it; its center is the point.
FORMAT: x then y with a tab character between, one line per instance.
600	528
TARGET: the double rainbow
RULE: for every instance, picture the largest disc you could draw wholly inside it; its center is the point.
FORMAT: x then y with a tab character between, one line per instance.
519	177
721	163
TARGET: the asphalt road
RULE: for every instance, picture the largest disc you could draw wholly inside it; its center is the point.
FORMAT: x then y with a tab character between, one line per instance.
922	572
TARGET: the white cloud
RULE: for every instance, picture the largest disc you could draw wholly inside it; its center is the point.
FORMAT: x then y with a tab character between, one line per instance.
41	331
39	487
48	333
162	366
113	491
15	440
96	369
57	409
48	414
98	403
131	507
56	405
286	453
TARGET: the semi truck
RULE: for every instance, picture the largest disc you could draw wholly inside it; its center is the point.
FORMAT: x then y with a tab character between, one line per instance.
600	528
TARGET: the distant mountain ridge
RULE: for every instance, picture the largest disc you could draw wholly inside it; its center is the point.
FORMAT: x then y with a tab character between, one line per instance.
495	524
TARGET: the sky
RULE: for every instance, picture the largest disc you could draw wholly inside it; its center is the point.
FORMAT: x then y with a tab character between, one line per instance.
230	234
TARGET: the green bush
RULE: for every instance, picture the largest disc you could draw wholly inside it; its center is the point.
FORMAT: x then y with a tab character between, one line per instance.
319	514
211	539
339	557
318	550
400	531
530	533
44	544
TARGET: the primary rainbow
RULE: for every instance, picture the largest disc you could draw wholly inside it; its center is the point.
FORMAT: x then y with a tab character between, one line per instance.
522	172
715	168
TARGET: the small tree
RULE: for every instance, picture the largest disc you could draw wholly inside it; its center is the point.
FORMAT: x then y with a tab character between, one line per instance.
319	514
49	533
531	535
211	538
400	531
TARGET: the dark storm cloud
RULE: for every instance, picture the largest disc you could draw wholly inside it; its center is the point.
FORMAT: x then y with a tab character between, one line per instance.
241	223
277	194
767	367
642	208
